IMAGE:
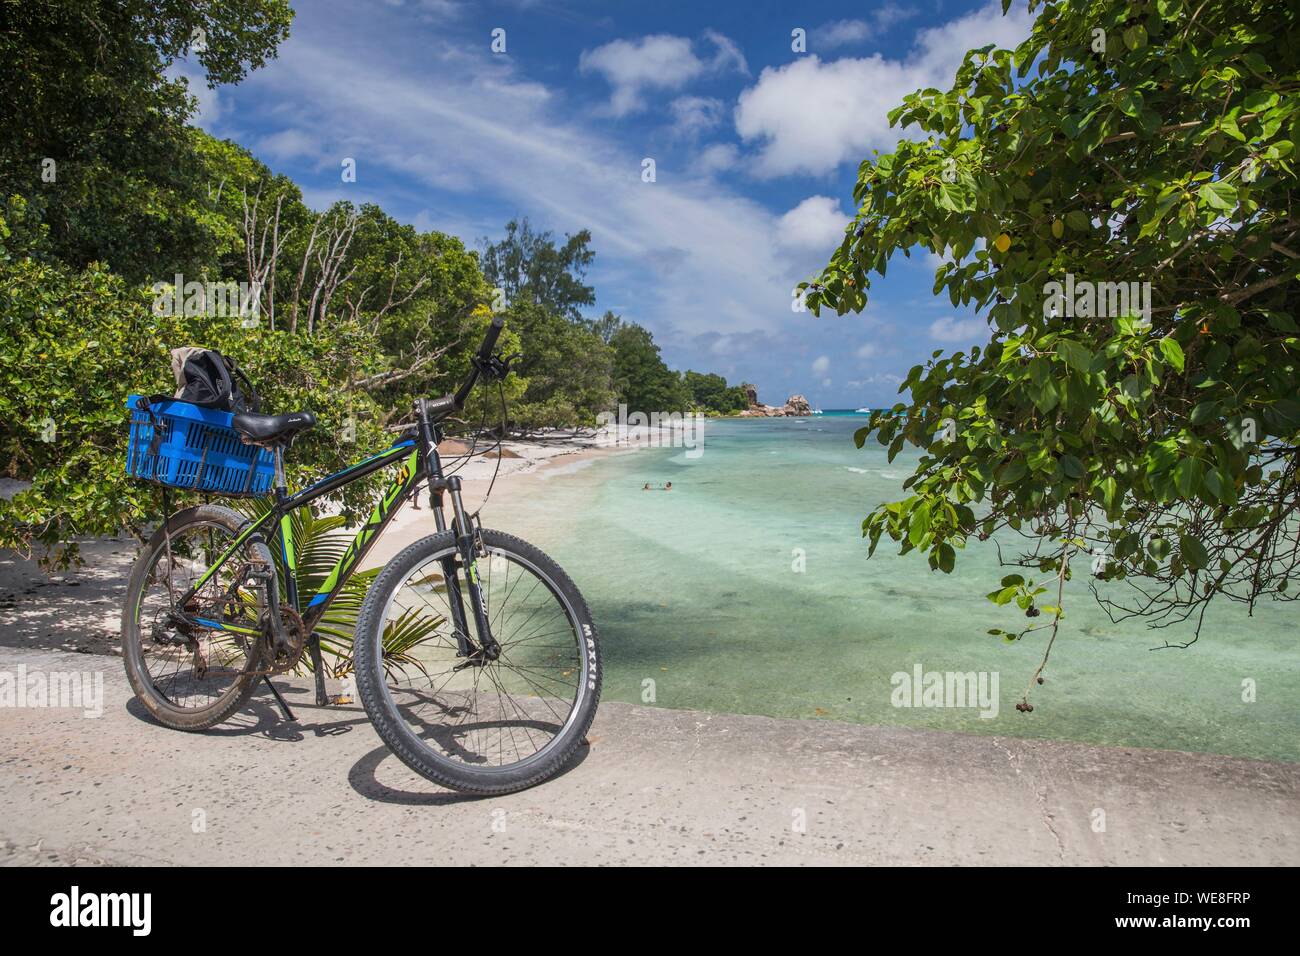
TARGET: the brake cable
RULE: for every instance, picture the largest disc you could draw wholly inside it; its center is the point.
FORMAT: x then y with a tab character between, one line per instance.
497	369
464	459
501	392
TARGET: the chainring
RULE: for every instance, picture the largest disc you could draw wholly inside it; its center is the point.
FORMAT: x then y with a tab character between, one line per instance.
296	630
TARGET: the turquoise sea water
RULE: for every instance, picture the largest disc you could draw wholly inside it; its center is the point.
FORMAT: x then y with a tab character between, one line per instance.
694	589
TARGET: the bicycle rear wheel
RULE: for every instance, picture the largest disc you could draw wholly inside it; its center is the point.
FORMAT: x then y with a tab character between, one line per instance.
192	678
471	724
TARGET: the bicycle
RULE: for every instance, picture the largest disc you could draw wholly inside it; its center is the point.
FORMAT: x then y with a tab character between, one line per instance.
471	645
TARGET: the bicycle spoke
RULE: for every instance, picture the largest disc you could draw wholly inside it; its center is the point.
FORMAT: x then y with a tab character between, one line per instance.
499	712
170	666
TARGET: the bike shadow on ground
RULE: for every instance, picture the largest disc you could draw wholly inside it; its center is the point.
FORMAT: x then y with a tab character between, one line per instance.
363	779
261	716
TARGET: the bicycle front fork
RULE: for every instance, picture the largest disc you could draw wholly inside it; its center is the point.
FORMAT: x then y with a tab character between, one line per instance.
469	547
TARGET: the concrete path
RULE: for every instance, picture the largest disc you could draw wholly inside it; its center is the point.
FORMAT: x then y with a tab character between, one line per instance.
655	787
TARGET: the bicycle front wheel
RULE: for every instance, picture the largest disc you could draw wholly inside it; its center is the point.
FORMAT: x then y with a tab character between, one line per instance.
465	722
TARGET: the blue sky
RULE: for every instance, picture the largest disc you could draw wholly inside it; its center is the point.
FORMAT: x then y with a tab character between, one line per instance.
755	149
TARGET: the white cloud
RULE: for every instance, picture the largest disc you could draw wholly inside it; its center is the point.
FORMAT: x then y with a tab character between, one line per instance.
693	115
434	9
728	54
881	378
716	158
816	223
452	119
948	329
321	198
288	143
821	365
810	115
840	33
632	66
690	252
437	219
656	62
867	350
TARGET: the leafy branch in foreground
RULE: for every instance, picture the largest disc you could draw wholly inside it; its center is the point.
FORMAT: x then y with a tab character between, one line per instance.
1116	196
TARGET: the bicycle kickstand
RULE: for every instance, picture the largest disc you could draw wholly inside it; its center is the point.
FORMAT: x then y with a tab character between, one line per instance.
284	706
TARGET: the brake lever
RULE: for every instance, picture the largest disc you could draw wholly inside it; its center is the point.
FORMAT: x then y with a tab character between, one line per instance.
496	367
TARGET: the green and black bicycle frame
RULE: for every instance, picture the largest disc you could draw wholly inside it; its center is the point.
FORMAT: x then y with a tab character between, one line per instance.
417	456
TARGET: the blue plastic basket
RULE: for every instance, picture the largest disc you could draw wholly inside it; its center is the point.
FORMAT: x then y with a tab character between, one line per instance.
186	446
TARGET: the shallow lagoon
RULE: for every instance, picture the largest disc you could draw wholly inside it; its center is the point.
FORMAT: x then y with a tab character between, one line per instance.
694	589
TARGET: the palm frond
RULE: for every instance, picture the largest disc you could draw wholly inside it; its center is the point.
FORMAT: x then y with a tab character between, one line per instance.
319	544
403	637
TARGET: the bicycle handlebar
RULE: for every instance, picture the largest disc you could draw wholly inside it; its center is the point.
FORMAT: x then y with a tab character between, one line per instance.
490	337
441	407
484	353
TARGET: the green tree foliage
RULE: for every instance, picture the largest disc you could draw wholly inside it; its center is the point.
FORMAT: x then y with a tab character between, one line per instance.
1122	142
408	295
643	382
575	367
358	314
60	430
710	393
641	379
566	363
567	368
606	326
530	266
83	85
416	292
77	342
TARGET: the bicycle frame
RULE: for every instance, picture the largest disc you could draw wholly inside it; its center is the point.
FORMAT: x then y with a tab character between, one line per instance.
278	518
419	461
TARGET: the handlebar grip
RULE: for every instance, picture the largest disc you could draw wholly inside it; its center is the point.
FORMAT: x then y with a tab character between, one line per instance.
484	354
490	339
